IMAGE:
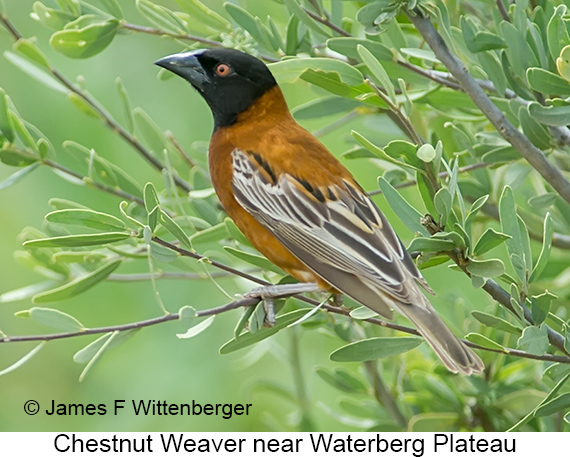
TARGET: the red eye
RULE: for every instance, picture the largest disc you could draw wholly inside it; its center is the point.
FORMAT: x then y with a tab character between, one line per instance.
223	69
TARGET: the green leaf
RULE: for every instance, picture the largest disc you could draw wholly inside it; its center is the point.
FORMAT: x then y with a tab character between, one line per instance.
546	82
495	322
249	23
124	97
406	212
23	360
169	224
38	74
482	340
15	177
25	292
162	254
83	106
212	234
431	245
426	153
31	51
549	397
78	285
428	422
160	16
489	240
78	240
85	42
545	251
492	66
342	380
331	82
486	268
479	40
543	201
254	259
243	320
204	15
88	352
113	7
247	338
291	69
541	306
56	319
443	201
557	116
392	150
197	329
187	315
424	54
501	154
86	218
534	340
556	33
150	197
5	122
17	158
375	348
150	131
535	131
509	222
50	17
324	106
563	63
235	232
362	312
347	46
559	403
378	72
296	9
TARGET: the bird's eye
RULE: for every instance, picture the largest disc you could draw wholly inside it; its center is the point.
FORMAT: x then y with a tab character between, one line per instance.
223	69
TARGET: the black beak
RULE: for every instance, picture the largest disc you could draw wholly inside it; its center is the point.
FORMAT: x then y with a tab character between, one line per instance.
187	66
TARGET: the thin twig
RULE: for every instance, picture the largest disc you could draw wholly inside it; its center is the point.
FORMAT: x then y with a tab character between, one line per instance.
189	161
328	23
134	325
503	10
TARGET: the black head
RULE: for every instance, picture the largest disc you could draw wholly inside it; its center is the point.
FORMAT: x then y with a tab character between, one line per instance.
229	80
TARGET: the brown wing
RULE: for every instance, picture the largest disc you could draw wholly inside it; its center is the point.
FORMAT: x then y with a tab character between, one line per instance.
340	234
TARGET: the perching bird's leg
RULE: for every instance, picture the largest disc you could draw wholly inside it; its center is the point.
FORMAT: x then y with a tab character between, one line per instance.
269	293
338	300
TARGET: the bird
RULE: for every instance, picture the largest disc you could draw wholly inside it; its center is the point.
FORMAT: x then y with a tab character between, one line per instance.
299	206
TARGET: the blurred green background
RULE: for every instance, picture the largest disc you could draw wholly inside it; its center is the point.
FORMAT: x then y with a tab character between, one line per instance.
155	365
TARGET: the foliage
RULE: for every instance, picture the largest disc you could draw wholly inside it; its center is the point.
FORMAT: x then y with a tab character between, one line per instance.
487	152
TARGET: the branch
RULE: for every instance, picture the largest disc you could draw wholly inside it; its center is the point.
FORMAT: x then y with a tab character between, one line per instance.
133	325
507	130
327	22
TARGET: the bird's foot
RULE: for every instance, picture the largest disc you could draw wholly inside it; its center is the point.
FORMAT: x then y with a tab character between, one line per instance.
269	293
